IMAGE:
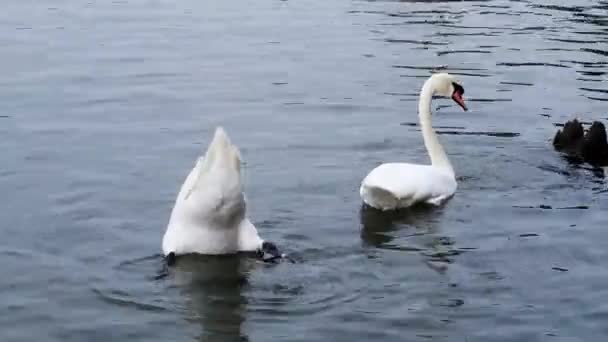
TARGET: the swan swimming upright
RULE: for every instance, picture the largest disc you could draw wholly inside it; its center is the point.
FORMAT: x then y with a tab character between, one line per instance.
210	212
392	186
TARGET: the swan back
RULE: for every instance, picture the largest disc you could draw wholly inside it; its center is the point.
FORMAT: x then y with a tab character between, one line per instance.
398	185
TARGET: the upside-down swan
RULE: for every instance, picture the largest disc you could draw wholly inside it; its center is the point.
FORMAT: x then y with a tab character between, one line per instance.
210	212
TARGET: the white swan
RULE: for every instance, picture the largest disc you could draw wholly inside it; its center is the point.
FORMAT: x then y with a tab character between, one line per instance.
209	216
398	185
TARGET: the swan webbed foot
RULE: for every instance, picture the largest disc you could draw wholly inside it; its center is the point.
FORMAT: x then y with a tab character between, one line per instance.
269	252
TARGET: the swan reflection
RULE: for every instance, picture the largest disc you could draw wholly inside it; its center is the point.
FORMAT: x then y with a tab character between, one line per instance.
213	289
379	228
419	224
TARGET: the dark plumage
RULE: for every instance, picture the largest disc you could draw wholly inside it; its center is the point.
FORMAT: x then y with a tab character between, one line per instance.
595	145
591	148
570	137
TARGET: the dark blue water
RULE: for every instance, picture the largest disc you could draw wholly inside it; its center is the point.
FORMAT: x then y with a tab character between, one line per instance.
104	107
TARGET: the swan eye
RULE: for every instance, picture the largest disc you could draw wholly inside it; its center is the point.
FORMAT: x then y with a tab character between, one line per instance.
458	88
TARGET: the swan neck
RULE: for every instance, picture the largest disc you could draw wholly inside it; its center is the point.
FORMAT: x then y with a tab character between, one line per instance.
431	141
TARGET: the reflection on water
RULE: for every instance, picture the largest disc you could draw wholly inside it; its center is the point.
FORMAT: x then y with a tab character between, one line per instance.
416	230
212	290
378	227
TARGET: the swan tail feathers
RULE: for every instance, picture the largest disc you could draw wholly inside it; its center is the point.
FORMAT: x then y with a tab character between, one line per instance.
236	158
221	154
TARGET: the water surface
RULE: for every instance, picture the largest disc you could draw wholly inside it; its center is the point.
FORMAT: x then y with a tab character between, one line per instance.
104	107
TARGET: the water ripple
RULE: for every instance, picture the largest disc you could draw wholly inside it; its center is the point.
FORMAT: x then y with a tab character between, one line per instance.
441	53
523	64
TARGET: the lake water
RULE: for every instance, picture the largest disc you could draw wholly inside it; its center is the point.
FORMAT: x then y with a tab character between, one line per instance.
104	106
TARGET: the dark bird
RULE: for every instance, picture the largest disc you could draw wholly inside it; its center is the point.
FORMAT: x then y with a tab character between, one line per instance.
590	147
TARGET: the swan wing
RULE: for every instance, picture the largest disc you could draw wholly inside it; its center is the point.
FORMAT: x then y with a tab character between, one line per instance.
397	185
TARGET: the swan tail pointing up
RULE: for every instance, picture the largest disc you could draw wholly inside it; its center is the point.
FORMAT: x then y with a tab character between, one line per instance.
221	153
220	166
210	212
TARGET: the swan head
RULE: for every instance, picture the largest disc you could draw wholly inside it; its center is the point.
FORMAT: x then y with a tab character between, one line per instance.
447	85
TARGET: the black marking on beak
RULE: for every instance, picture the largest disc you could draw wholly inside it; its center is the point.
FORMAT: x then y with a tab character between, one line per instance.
457	95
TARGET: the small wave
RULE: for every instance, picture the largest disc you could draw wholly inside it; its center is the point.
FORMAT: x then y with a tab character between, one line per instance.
153	257
596	51
517	83
415	124
436	67
591	73
489	100
482	34
605	91
575	41
548	207
120	298
489	134
441	53
560	8
412	41
596	98
532	64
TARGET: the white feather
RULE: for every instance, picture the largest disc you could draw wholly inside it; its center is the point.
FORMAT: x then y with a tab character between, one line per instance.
399	185
209	216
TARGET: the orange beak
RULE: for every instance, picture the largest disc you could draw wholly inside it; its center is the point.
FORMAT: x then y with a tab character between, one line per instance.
457	97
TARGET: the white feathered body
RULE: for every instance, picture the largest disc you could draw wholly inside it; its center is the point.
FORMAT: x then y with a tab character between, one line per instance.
209	216
398	185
